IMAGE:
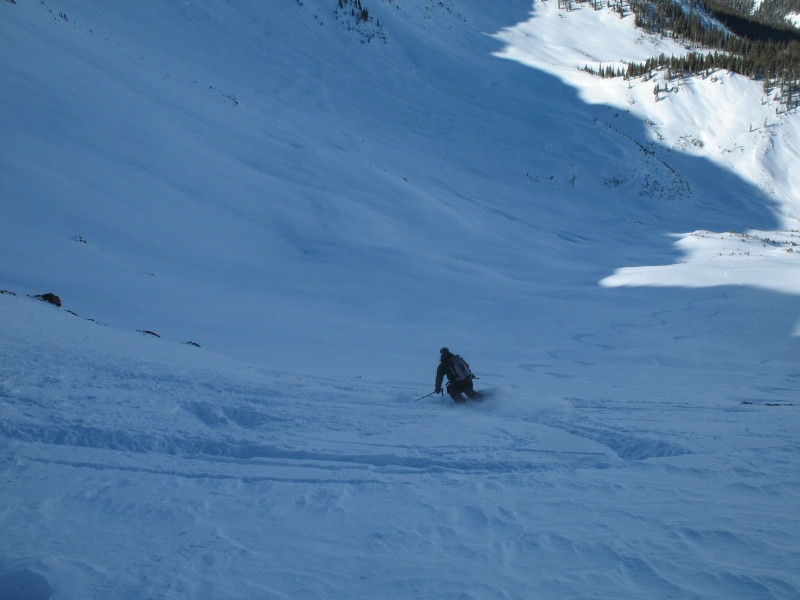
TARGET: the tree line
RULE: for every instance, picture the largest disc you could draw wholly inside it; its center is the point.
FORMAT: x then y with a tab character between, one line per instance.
759	50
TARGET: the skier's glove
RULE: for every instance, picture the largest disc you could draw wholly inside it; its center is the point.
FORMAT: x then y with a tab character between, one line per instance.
437	391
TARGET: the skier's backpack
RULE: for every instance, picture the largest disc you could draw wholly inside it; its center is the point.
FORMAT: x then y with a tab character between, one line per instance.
460	368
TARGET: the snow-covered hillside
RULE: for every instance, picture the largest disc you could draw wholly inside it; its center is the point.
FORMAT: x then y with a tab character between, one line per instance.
724	118
320	203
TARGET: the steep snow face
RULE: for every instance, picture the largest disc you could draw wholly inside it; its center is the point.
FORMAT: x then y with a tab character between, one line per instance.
321	203
724	118
266	182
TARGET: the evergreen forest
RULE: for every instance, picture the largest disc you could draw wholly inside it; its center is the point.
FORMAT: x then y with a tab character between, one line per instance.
720	34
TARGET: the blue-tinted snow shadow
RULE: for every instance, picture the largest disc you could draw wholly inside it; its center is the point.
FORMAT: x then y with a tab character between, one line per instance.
24	585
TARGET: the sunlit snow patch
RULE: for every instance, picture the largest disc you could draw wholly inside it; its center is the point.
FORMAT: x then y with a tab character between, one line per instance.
712	259
724	118
794	19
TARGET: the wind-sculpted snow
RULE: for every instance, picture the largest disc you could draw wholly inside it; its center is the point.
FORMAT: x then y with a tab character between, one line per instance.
213	479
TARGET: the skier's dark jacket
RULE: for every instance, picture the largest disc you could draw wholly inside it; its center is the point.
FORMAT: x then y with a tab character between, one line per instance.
444	369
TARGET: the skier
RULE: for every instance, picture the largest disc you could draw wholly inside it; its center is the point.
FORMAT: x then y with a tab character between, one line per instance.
459	377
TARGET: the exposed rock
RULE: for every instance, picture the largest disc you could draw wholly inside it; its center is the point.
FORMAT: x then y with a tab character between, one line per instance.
153	333
51	298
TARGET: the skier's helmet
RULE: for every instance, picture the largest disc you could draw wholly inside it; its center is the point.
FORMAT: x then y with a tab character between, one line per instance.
444	350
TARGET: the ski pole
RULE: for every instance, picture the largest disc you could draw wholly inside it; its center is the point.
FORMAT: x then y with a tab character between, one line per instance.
425	396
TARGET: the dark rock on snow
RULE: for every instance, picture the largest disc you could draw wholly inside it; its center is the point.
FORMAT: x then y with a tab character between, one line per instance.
51	298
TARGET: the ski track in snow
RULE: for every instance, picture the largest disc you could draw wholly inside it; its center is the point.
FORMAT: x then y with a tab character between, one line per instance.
322	204
222	482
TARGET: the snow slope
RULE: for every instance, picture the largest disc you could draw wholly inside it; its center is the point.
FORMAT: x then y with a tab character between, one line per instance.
321	204
724	118
136	468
